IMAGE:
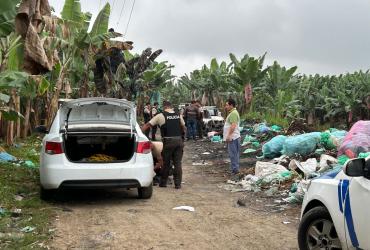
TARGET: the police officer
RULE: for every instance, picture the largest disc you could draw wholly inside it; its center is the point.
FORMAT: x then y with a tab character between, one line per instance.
172	128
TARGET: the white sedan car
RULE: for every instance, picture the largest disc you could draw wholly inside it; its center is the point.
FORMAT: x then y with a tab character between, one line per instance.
335	209
96	143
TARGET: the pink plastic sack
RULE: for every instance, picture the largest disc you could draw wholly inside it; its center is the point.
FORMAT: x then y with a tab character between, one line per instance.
357	140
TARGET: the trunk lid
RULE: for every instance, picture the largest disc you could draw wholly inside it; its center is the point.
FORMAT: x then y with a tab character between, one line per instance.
103	115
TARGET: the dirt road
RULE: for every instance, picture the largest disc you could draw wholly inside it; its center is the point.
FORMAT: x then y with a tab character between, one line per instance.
117	220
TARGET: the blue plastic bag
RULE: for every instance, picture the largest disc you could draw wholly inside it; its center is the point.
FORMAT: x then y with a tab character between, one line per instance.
301	144
4	156
273	147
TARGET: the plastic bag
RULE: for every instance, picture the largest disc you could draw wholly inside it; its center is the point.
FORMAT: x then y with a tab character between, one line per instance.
266	168
333	140
326	162
301	144
273	147
261	128
308	167
297	196
357	140
4	156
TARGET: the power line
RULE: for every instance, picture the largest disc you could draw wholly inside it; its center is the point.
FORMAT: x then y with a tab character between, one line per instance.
129	19
120	14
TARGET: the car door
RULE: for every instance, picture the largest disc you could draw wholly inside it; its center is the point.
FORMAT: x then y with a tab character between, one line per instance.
356	213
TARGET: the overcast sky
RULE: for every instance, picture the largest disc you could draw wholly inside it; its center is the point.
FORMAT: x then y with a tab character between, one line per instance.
318	36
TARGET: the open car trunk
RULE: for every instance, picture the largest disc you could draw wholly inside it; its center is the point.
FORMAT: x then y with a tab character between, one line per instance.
99	148
98	130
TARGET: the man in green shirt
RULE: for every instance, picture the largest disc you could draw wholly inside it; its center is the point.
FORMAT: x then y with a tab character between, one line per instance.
231	135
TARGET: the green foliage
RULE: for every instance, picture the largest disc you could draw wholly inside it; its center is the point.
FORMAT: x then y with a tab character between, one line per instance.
9	56
248	69
7	15
72	11
101	22
20	180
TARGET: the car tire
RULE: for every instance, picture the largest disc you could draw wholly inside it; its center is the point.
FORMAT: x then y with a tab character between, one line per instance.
312	232
46	194
145	192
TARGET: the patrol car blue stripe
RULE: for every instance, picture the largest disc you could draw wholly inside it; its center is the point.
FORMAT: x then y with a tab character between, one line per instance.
340	196
349	220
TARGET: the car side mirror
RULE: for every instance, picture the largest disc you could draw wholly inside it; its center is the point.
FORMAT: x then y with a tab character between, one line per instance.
41	129
355	167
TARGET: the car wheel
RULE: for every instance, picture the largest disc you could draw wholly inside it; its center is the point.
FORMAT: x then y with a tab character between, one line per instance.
46	194
317	231
145	192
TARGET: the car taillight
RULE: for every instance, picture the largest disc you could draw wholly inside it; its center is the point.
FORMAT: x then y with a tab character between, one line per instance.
143	147
53	148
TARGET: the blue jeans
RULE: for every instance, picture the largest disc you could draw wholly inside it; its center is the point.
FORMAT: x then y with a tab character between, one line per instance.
192	128
234	153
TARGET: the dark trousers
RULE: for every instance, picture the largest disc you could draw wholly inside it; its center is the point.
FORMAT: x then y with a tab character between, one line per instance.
173	149
191	128
200	128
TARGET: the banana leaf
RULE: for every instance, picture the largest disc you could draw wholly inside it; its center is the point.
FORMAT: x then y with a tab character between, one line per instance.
100	25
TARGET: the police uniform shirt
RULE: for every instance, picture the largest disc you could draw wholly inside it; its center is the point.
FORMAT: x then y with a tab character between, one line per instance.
160	119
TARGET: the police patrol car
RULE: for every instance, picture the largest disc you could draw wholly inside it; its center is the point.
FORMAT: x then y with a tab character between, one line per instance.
335	210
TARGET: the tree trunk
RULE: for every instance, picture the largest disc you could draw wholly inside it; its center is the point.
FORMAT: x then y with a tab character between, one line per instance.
10	124
85	87
310	118
17	103
27	118
205	100
53	105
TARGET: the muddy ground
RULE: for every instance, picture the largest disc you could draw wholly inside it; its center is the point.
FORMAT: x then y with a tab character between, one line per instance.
118	220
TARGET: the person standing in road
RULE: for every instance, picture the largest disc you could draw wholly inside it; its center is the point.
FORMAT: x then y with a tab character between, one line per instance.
231	134
191	114
200	120
172	127
154	112
147	116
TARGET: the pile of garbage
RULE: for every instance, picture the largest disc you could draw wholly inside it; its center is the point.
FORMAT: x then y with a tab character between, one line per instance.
287	164
6	157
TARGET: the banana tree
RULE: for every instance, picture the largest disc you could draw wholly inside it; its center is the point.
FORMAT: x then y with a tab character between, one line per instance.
275	89
249	73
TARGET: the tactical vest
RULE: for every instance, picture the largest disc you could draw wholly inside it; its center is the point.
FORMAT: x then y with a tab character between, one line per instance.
172	125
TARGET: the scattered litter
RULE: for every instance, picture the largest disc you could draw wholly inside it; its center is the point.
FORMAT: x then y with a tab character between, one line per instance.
272	191
18	197
216	138
286	222
4	156
30	164
200	163
211	134
16	212
27	229
297	197
185	208
307	167
357	140
266	168
326	162
206	153
276	128
2	211
249	151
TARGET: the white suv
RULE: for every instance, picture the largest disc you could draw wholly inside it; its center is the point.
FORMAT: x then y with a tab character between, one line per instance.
335	211
96	143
